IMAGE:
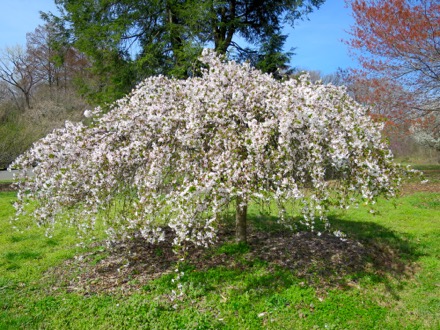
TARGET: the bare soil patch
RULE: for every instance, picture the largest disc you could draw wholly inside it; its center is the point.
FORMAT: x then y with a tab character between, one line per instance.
412	188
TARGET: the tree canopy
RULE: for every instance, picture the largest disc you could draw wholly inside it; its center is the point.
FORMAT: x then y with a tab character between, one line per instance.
400	40
177	153
130	40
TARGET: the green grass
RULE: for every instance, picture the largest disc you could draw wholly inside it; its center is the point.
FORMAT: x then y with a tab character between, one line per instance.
399	291
427	167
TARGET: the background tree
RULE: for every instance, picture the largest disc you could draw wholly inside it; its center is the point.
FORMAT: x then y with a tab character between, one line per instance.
19	71
58	65
130	40
400	40
41	48
388	102
38	90
4	91
387	99
397	43
336	78
426	131
269	58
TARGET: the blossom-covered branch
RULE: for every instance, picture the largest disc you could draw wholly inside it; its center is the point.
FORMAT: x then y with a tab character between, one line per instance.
176	153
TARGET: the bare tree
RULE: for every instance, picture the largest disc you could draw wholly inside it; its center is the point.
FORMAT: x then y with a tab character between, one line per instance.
58	63
316	75
4	92
40	46
19	71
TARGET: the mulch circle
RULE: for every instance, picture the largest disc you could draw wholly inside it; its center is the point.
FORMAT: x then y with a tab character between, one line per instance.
323	261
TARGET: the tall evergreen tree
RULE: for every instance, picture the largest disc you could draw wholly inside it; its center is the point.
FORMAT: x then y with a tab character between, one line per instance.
128	40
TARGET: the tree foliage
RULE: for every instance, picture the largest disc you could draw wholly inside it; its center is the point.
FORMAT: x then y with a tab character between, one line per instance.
131	40
177	153
400	39
387	100
57	63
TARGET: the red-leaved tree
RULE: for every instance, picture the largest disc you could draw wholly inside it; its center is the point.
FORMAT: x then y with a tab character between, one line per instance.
400	40
388	102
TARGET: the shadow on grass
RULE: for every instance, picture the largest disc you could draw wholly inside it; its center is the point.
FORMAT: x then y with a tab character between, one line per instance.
23	255
386	256
369	250
279	256
13	260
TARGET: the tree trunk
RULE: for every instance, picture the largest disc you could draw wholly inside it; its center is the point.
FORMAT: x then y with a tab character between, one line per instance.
240	221
27	98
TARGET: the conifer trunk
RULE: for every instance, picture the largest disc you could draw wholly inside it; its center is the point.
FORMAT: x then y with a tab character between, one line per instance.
241	221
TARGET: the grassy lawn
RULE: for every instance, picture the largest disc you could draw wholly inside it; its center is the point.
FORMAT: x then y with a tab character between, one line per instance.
384	275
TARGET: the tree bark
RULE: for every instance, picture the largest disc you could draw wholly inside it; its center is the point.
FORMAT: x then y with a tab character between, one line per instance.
241	221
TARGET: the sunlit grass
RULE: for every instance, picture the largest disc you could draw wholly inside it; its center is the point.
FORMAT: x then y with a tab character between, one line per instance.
251	295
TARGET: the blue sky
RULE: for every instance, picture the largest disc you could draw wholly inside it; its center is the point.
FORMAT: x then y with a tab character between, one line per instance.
317	40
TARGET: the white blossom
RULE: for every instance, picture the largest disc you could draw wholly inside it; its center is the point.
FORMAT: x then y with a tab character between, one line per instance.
88	113
176	152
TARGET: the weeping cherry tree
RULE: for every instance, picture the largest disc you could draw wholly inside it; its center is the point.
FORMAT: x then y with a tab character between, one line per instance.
178	154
